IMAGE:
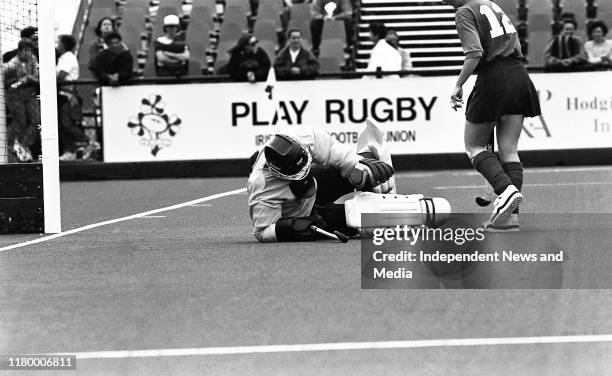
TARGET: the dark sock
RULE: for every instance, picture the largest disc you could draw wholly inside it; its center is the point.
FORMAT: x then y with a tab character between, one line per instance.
515	172
488	165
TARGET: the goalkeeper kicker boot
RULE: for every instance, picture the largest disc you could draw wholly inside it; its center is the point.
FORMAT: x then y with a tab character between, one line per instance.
505	204
510	225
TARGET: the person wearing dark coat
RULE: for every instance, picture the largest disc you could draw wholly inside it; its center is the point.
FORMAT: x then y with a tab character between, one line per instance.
114	65
294	61
248	61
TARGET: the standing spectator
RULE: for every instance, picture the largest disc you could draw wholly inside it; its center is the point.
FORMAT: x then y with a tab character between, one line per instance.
383	56
565	52
22	82
71	137
294	61
393	39
598	48
171	51
114	65
29	34
342	10
104	27
248	61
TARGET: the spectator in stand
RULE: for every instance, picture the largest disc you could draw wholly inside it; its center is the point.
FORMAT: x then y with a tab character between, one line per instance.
322	10
22	84
114	65
171	50
598	48
393	39
383	56
565	52
248	61
29	34
294	61
105	26
71	136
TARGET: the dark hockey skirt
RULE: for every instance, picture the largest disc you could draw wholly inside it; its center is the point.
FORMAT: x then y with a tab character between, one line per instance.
503	87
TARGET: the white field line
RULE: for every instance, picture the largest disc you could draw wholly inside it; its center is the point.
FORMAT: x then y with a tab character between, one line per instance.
529	185
154	216
340	346
123	219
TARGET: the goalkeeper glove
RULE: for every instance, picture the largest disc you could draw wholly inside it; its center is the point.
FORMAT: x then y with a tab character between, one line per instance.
298	229
369	173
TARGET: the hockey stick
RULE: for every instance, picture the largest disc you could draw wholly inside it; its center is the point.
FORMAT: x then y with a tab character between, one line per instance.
337	235
487	194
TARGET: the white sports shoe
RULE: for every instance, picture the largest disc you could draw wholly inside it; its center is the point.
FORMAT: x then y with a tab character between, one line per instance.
510	225
504	205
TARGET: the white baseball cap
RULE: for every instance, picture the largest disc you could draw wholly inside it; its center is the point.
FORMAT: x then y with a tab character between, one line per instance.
171	20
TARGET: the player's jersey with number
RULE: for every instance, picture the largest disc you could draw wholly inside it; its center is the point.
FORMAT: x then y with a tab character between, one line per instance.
486	31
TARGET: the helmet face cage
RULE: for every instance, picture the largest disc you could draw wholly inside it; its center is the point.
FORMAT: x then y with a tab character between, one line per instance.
287	158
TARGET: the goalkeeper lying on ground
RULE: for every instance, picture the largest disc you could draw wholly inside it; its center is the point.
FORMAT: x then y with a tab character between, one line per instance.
297	177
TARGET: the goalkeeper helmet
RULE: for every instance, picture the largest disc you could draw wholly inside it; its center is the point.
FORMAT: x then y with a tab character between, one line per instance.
287	158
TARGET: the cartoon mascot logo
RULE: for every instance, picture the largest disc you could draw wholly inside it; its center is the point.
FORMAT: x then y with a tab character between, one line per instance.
152	124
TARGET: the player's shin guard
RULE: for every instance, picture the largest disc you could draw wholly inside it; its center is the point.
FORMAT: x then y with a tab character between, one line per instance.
488	165
395	209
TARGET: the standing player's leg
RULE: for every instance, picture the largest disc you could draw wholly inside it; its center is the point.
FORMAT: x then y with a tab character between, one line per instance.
476	137
508	132
487	194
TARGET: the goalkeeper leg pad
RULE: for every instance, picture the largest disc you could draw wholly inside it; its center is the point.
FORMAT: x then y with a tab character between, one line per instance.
395	209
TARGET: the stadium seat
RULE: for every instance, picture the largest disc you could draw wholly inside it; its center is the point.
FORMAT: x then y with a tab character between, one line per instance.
177	4
201	15
328	64
230	32
210	4
604	11
269	11
244	4
300	12
132	27
539	22
540	7
332	48
198	42
537	43
108	5
334	29
236	15
136	4
266	30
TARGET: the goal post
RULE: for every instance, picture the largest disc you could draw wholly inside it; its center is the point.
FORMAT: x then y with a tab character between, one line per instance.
48	116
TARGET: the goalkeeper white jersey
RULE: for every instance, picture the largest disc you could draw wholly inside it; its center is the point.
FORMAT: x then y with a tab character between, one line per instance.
270	198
